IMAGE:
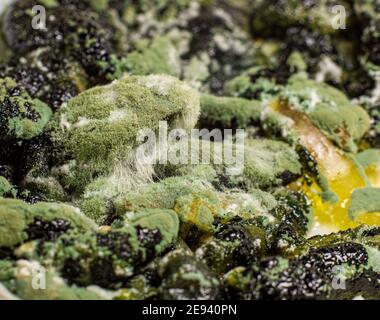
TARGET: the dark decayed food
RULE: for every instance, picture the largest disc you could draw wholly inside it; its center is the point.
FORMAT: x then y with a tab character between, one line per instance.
298	218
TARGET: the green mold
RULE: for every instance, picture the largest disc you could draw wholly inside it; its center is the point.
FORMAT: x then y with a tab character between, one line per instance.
366	200
330	110
24	118
17	216
20	276
99	128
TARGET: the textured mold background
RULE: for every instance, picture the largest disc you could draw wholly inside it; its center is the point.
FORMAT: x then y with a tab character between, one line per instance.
4	3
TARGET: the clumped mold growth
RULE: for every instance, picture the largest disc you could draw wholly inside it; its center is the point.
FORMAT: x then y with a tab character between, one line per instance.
76	200
98	129
22	118
21	221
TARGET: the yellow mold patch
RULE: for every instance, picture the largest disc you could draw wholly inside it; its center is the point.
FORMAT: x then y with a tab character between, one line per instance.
341	172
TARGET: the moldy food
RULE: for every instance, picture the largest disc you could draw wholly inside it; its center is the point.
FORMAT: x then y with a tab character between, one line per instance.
304	209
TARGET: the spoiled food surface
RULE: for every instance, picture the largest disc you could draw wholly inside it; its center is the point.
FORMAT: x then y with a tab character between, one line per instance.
79	99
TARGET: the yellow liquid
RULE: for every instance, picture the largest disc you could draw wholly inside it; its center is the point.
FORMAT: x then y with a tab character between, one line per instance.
341	172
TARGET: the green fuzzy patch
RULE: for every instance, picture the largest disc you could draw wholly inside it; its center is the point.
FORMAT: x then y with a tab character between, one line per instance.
229	112
100	127
159	195
198	209
158	56
242	85
368	158
49	3
30	117
265	162
99	4
330	110
6	188
16	215
20	279
365	200
166	221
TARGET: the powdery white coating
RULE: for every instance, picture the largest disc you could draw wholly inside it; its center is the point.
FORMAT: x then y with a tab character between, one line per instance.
117	115
4	4
64	124
110	96
158	83
316	229
25	267
103	293
163	85
83	121
314	99
245	202
375	94
328	69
